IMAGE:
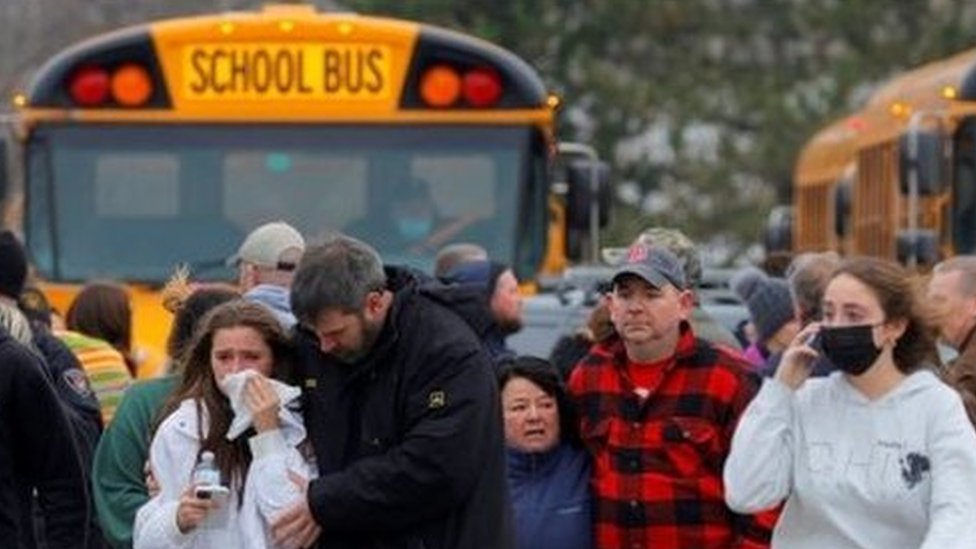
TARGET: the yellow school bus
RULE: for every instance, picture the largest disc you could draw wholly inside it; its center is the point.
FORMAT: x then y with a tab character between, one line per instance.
166	143
896	179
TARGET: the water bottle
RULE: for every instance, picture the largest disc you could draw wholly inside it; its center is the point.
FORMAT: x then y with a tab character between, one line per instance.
206	472
206	478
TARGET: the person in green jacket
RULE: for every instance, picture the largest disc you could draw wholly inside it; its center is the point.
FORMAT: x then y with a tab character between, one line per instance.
118	471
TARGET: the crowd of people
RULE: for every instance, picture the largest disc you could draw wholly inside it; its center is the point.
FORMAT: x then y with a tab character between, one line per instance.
329	400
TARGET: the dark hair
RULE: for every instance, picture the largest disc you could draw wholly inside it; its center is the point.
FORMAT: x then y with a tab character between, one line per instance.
336	274
233	457
897	292
102	310
544	375
808	275
13	258
189	313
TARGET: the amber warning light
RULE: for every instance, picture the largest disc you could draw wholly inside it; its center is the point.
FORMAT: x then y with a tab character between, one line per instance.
128	85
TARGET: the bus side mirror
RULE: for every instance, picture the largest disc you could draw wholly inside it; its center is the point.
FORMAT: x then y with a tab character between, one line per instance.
588	183
778	233
4	169
920	245
843	196
930	163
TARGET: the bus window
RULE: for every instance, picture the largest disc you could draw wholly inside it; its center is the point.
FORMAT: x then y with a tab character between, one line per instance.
136	185
318	190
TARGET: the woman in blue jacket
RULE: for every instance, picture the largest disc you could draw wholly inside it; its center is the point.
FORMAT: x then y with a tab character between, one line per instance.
548	470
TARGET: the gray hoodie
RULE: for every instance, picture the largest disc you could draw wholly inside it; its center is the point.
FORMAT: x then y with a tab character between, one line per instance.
897	471
275	298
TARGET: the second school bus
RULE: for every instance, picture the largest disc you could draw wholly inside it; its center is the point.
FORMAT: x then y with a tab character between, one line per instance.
896	179
167	143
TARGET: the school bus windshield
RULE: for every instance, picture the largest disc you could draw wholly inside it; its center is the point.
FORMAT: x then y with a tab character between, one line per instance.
153	197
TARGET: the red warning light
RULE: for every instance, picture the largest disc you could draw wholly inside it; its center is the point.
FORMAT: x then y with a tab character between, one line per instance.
89	86
482	87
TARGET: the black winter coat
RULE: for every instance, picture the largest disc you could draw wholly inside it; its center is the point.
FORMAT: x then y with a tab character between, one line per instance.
37	451
80	407
409	440
470	302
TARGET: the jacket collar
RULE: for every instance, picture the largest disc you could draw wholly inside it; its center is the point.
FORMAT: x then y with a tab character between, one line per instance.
684	348
533	464
403	283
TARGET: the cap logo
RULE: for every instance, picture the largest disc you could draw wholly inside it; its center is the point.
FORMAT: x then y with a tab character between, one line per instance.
637	254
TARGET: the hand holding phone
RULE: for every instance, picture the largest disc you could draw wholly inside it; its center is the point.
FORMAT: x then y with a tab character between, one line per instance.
211	491
797	361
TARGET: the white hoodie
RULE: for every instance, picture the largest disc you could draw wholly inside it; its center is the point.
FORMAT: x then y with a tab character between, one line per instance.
897	472
267	489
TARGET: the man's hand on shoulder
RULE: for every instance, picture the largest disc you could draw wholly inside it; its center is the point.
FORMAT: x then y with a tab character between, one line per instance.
296	527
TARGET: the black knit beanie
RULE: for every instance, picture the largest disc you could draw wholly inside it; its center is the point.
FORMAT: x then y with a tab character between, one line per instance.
478	272
13	265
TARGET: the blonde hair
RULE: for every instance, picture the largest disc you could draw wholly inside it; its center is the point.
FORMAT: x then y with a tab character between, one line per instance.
17	325
177	289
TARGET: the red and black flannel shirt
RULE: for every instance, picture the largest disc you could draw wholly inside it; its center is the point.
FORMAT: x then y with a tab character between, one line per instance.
657	461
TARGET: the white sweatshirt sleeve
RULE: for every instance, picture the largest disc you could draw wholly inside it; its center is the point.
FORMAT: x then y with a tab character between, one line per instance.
268	480
171	459
952	450
758	472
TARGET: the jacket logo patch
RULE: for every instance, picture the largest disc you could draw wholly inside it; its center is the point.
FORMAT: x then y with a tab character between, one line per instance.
436	400
78	381
311	383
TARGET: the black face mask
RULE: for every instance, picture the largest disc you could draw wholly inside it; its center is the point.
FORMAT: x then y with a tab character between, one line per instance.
851	349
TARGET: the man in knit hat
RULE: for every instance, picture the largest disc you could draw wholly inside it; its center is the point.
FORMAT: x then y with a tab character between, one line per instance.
771	313
266	263
487	297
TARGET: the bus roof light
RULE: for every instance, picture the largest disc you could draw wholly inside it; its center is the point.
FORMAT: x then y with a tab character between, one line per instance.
440	86
89	86
553	101
482	87
899	109
131	85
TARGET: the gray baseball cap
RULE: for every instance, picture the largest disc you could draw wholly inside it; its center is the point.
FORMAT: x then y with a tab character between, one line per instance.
654	264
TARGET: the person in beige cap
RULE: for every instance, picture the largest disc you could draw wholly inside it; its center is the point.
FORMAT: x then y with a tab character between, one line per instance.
266	263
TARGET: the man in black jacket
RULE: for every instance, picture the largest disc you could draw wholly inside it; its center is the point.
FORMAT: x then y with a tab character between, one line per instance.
38	453
402	410
62	368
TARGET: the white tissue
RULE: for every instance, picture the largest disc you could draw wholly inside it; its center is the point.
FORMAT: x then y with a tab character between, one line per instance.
233	386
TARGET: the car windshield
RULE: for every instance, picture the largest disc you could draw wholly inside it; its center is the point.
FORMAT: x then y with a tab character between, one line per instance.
132	202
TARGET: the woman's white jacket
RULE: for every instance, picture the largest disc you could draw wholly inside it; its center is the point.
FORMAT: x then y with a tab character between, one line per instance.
267	489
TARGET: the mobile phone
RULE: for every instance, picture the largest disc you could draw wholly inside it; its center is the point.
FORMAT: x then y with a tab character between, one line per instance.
211	491
813	341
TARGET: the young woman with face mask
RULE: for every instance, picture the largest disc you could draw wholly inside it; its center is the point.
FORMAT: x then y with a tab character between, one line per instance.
880	453
237	348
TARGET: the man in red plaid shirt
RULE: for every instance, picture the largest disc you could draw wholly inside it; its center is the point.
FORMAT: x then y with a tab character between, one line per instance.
658	411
